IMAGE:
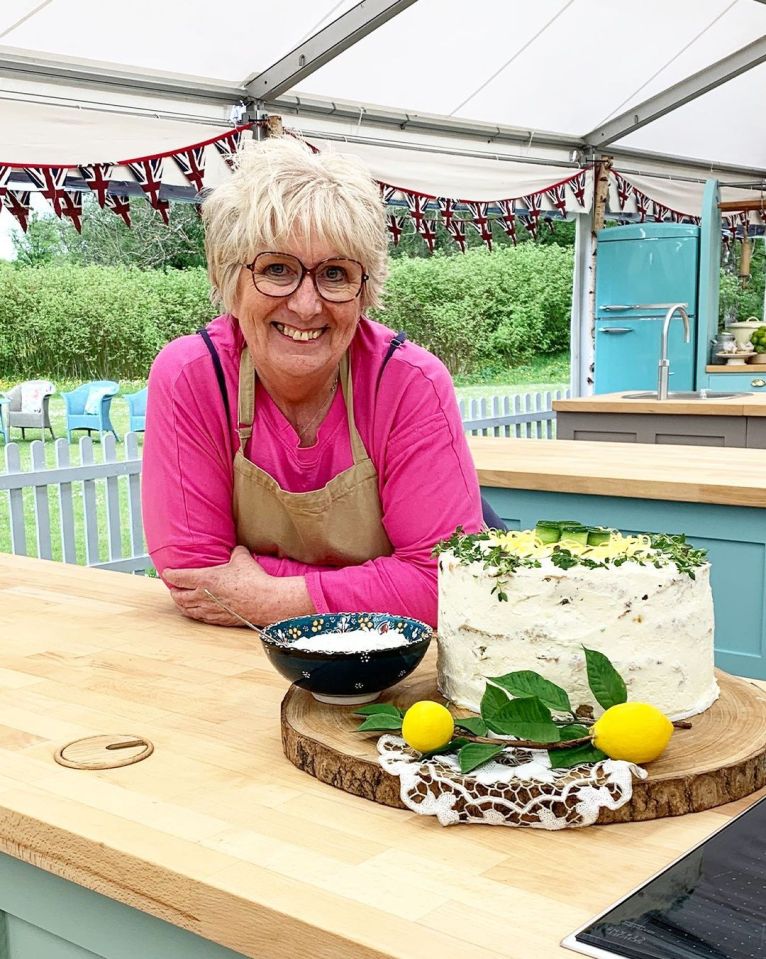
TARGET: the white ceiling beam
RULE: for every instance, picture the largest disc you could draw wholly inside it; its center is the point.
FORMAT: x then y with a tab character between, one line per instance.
676	96
24	64
323	46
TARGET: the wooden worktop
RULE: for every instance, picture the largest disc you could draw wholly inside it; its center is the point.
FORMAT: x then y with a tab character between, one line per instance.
690	474
751	404
218	833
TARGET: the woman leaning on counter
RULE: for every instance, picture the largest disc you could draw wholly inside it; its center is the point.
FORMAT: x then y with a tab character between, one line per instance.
298	459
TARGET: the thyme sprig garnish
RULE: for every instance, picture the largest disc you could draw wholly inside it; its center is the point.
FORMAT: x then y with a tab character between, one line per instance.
501	562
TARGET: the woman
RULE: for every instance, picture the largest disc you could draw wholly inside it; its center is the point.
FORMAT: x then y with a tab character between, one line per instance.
298	459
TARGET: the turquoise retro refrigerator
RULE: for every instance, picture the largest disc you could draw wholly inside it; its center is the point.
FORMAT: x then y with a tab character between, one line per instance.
641	269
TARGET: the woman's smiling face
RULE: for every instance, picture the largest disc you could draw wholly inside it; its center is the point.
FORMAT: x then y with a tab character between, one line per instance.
275	328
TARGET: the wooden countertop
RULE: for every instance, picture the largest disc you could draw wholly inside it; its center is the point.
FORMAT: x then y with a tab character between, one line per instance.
751	404
690	474
218	833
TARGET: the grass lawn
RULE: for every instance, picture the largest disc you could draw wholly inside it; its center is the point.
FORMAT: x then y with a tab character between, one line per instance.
539	374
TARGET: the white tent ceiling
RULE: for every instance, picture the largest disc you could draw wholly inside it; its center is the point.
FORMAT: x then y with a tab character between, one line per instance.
446	96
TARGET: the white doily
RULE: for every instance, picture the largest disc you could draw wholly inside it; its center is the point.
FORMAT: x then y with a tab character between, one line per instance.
518	788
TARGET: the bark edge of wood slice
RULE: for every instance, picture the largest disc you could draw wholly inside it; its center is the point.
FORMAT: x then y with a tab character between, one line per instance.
720	759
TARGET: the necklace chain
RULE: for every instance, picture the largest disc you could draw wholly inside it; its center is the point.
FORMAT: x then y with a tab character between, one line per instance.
322	409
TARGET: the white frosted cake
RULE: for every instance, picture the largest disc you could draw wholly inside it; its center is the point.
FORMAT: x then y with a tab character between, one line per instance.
531	600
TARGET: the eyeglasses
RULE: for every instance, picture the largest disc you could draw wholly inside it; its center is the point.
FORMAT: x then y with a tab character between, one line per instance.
337	280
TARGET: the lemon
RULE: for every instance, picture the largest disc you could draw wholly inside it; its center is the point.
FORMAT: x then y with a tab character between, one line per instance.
427	726
636	732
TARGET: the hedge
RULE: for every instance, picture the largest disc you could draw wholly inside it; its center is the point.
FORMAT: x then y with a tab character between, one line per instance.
110	322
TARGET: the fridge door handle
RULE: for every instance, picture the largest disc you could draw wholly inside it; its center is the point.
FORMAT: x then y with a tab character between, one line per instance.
615	329
616	307
621	307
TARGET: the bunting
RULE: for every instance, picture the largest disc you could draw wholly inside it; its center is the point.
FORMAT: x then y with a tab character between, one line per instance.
50	182
119	205
97	176
18	204
71	207
148	174
659	211
447	210
534	205
624	190
508	219
395	226
191	162
228	146
557	196
577	186
456	229
5	174
480	222
643	205
388	193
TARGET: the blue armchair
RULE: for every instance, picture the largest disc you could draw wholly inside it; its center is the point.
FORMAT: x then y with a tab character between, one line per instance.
87	407
137	409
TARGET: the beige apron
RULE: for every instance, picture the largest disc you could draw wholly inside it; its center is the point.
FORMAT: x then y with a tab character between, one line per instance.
338	525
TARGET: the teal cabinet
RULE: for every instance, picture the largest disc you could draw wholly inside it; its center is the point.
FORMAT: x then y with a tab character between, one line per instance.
734	536
736	382
45	917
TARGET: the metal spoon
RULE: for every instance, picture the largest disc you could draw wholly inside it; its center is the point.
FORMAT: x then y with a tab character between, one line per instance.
245	622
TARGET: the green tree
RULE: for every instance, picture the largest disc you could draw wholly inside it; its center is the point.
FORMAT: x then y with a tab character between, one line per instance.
106	241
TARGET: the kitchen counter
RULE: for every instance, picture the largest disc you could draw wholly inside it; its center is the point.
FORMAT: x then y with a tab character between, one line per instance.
668	473
216	842
751	405
715	497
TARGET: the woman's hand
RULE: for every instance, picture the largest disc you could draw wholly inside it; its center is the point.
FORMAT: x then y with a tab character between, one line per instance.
242	584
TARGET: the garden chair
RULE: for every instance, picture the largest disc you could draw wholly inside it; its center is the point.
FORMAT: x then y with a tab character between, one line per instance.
137	409
28	406
87	408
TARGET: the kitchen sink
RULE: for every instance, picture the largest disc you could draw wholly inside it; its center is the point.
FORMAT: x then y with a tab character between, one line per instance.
684	395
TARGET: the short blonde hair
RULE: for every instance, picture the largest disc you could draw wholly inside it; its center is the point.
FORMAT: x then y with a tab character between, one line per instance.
280	190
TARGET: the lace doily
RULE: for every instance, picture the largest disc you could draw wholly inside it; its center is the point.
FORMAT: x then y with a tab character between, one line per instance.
518	788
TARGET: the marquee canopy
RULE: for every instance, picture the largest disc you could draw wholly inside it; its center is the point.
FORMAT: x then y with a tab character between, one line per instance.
475	100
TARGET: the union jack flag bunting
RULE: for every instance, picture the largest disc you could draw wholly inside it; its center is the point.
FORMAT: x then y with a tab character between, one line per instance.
557	196
480	222
643	204
395	226
427	230
447	209
531	219
71	206
191	162
624	190
659	211
577	186
508	219
50	181
97	176
5	174
416	204
228	145
148	173
19	205
119	205
387	193
456	228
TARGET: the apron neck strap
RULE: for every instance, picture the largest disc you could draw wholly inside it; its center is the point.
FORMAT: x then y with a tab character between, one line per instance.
246	403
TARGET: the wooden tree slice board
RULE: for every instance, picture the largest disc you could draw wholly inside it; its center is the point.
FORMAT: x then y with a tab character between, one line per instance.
720	759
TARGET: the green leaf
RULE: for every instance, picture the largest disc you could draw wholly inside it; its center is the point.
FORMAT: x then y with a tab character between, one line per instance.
523	718
605	682
526	682
573	731
380	722
474	724
576	756
451	747
375	708
476	754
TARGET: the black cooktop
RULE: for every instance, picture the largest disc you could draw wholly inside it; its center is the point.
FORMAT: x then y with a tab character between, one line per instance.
711	904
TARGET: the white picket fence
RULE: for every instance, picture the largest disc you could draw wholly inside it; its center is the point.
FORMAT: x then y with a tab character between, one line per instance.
527	415
103	498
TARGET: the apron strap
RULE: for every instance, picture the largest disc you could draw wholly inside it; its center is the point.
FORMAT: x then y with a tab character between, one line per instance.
245	398
218	370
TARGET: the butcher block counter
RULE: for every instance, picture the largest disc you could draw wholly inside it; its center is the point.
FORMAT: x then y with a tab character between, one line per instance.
215	846
733	421
716	497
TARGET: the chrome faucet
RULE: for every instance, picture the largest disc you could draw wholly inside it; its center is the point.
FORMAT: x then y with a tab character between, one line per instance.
664	367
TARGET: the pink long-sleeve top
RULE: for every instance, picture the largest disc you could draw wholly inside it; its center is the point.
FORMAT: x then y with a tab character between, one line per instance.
410	426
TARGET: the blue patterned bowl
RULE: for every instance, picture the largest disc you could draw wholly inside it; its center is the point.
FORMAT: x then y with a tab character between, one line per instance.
345	678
